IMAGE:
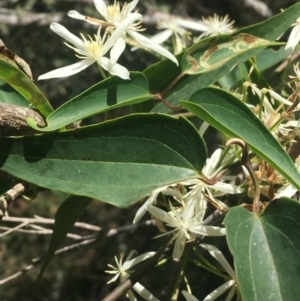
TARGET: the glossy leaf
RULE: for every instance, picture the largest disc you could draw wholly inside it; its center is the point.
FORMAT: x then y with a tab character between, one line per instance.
212	53
229	115
106	95
16	78
118	162
66	216
274	27
266	250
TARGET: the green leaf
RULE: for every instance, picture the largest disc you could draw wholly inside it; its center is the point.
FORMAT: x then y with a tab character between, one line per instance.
118	162
66	216
211	53
229	115
11	96
16	78
188	85
266	250
106	95
274	27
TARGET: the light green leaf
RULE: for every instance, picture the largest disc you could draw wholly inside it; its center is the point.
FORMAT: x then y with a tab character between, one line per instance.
229	115
266	250
118	162
106	95
16	78
212	53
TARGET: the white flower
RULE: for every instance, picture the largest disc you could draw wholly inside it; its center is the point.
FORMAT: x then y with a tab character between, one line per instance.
167	190
115	18
293	39
198	187
184	222
89	51
217	25
216	253
123	270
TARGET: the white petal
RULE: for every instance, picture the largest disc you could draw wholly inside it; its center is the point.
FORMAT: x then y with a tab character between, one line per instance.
128	264
76	15
208	230
114	69
189	297
160	214
219	291
293	40
67	35
161	36
143	292
120	31
68	70
179	246
130	6
212	162
199	26
117	50
286	191
153	46
101	7
231	293
217	254
228	188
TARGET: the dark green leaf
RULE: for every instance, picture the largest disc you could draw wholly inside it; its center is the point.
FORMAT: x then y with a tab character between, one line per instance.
117	162
274	27
106	95
266	250
231	116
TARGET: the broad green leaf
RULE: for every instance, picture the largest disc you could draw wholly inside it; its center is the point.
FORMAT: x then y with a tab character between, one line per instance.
212	53
231	116
11	96
66	216
16	78
118	162
106	95
266	250
275	26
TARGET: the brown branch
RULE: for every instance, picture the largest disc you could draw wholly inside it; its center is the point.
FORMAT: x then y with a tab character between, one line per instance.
13	120
8	197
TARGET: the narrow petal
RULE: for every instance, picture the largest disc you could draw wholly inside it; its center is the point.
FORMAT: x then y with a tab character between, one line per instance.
208	230
153	46
228	188
114	69
117	50
199	26
76	15
138	259
217	254
143	292
101	7
67	35
159	213
130	6
179	246
68	70
161	36
293	40
189	297
120	31
131	295
219	291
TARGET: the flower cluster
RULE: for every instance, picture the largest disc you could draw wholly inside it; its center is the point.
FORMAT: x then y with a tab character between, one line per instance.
186	216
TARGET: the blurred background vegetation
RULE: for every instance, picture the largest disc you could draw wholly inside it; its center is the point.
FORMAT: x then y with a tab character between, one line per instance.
79	275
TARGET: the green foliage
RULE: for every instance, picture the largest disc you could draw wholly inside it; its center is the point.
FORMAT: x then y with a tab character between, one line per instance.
266	250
